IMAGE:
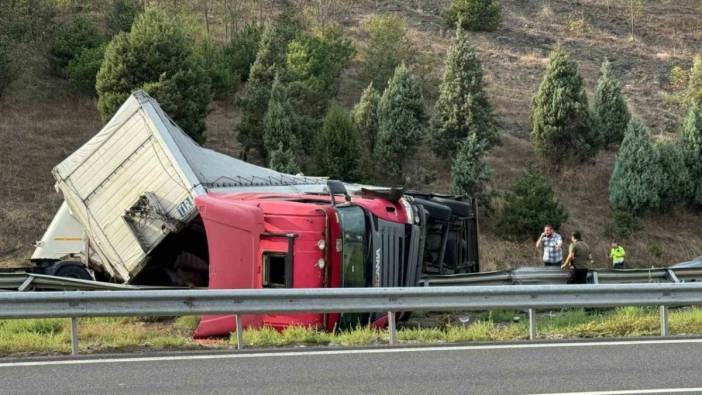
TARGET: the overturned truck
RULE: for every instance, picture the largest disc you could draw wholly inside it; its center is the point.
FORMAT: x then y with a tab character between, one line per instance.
144	204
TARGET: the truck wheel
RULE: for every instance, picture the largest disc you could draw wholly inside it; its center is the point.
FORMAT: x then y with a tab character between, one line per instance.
74	271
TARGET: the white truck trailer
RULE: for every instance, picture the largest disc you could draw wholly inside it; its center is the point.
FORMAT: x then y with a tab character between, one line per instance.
128	199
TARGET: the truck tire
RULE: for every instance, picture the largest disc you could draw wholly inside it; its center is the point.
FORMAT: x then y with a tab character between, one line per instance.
73	270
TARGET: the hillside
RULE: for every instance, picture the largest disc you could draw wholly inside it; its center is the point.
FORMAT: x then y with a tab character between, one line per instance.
43	119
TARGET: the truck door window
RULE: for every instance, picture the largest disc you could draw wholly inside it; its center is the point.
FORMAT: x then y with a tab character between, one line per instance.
354	250
274	266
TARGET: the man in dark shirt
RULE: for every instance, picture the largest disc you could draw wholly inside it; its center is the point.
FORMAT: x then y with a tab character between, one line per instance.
579	257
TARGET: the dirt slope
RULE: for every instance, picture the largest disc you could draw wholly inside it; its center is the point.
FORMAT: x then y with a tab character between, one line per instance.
42	119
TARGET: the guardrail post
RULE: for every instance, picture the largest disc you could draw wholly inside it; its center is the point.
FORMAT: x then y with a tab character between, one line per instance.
239	332
74	336
664	321
532	324
391	327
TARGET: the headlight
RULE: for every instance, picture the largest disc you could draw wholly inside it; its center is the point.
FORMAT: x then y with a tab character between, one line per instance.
408	210
321	263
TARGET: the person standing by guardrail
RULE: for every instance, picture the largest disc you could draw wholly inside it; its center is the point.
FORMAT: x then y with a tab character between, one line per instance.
552	244
617	253
579	257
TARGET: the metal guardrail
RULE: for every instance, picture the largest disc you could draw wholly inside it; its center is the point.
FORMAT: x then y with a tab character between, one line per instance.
24	281
33	281
535	275
188	302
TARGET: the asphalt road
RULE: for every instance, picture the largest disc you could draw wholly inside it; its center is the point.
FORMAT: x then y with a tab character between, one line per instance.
651	366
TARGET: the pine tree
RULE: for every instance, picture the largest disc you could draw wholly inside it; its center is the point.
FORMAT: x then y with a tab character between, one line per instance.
314	61
561	125
637	177
365	116
254	100
121	15
242	50
212	55
610	112
676	185
691	142
529	204
388	47
284	160
469	172
463	107
279	122
337	146
156	55
400	122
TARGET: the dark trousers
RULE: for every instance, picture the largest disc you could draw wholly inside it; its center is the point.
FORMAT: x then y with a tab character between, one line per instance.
577	276
553	263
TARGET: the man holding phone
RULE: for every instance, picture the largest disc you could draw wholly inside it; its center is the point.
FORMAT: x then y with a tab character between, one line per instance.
552	245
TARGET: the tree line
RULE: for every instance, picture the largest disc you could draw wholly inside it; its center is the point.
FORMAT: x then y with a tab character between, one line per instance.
286	69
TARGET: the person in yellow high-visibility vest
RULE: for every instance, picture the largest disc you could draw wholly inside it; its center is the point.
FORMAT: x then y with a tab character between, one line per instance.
617	253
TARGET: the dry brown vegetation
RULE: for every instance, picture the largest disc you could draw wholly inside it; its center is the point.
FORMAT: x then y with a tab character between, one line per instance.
42	119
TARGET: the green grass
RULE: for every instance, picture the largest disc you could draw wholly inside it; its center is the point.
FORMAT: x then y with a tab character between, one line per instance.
113	334
96	334
38	335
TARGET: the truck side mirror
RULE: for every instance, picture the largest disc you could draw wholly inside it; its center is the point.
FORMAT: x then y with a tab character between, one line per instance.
336	187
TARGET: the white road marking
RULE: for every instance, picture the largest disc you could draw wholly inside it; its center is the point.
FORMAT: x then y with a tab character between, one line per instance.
624	392
349	352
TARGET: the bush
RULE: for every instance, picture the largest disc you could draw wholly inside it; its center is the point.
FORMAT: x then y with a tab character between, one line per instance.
693	94
337	146
400	123
241	51
637	177
27	20
625	223
561	125
691	143
72	39
6	69
463	108
610	112
469	173
121	15
679	78
83	69
529	205
475	15
156	55
388	47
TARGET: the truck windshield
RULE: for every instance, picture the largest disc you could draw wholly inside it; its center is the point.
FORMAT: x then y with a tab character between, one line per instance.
354	246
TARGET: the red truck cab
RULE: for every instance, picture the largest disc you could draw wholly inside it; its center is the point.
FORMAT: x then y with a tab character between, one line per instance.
377	239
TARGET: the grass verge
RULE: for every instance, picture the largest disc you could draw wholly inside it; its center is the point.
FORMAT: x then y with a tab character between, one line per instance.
52	336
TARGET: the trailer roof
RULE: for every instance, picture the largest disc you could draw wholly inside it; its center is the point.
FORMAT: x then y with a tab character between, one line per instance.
213	171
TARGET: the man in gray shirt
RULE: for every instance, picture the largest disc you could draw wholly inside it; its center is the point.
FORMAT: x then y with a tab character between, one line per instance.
552	245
